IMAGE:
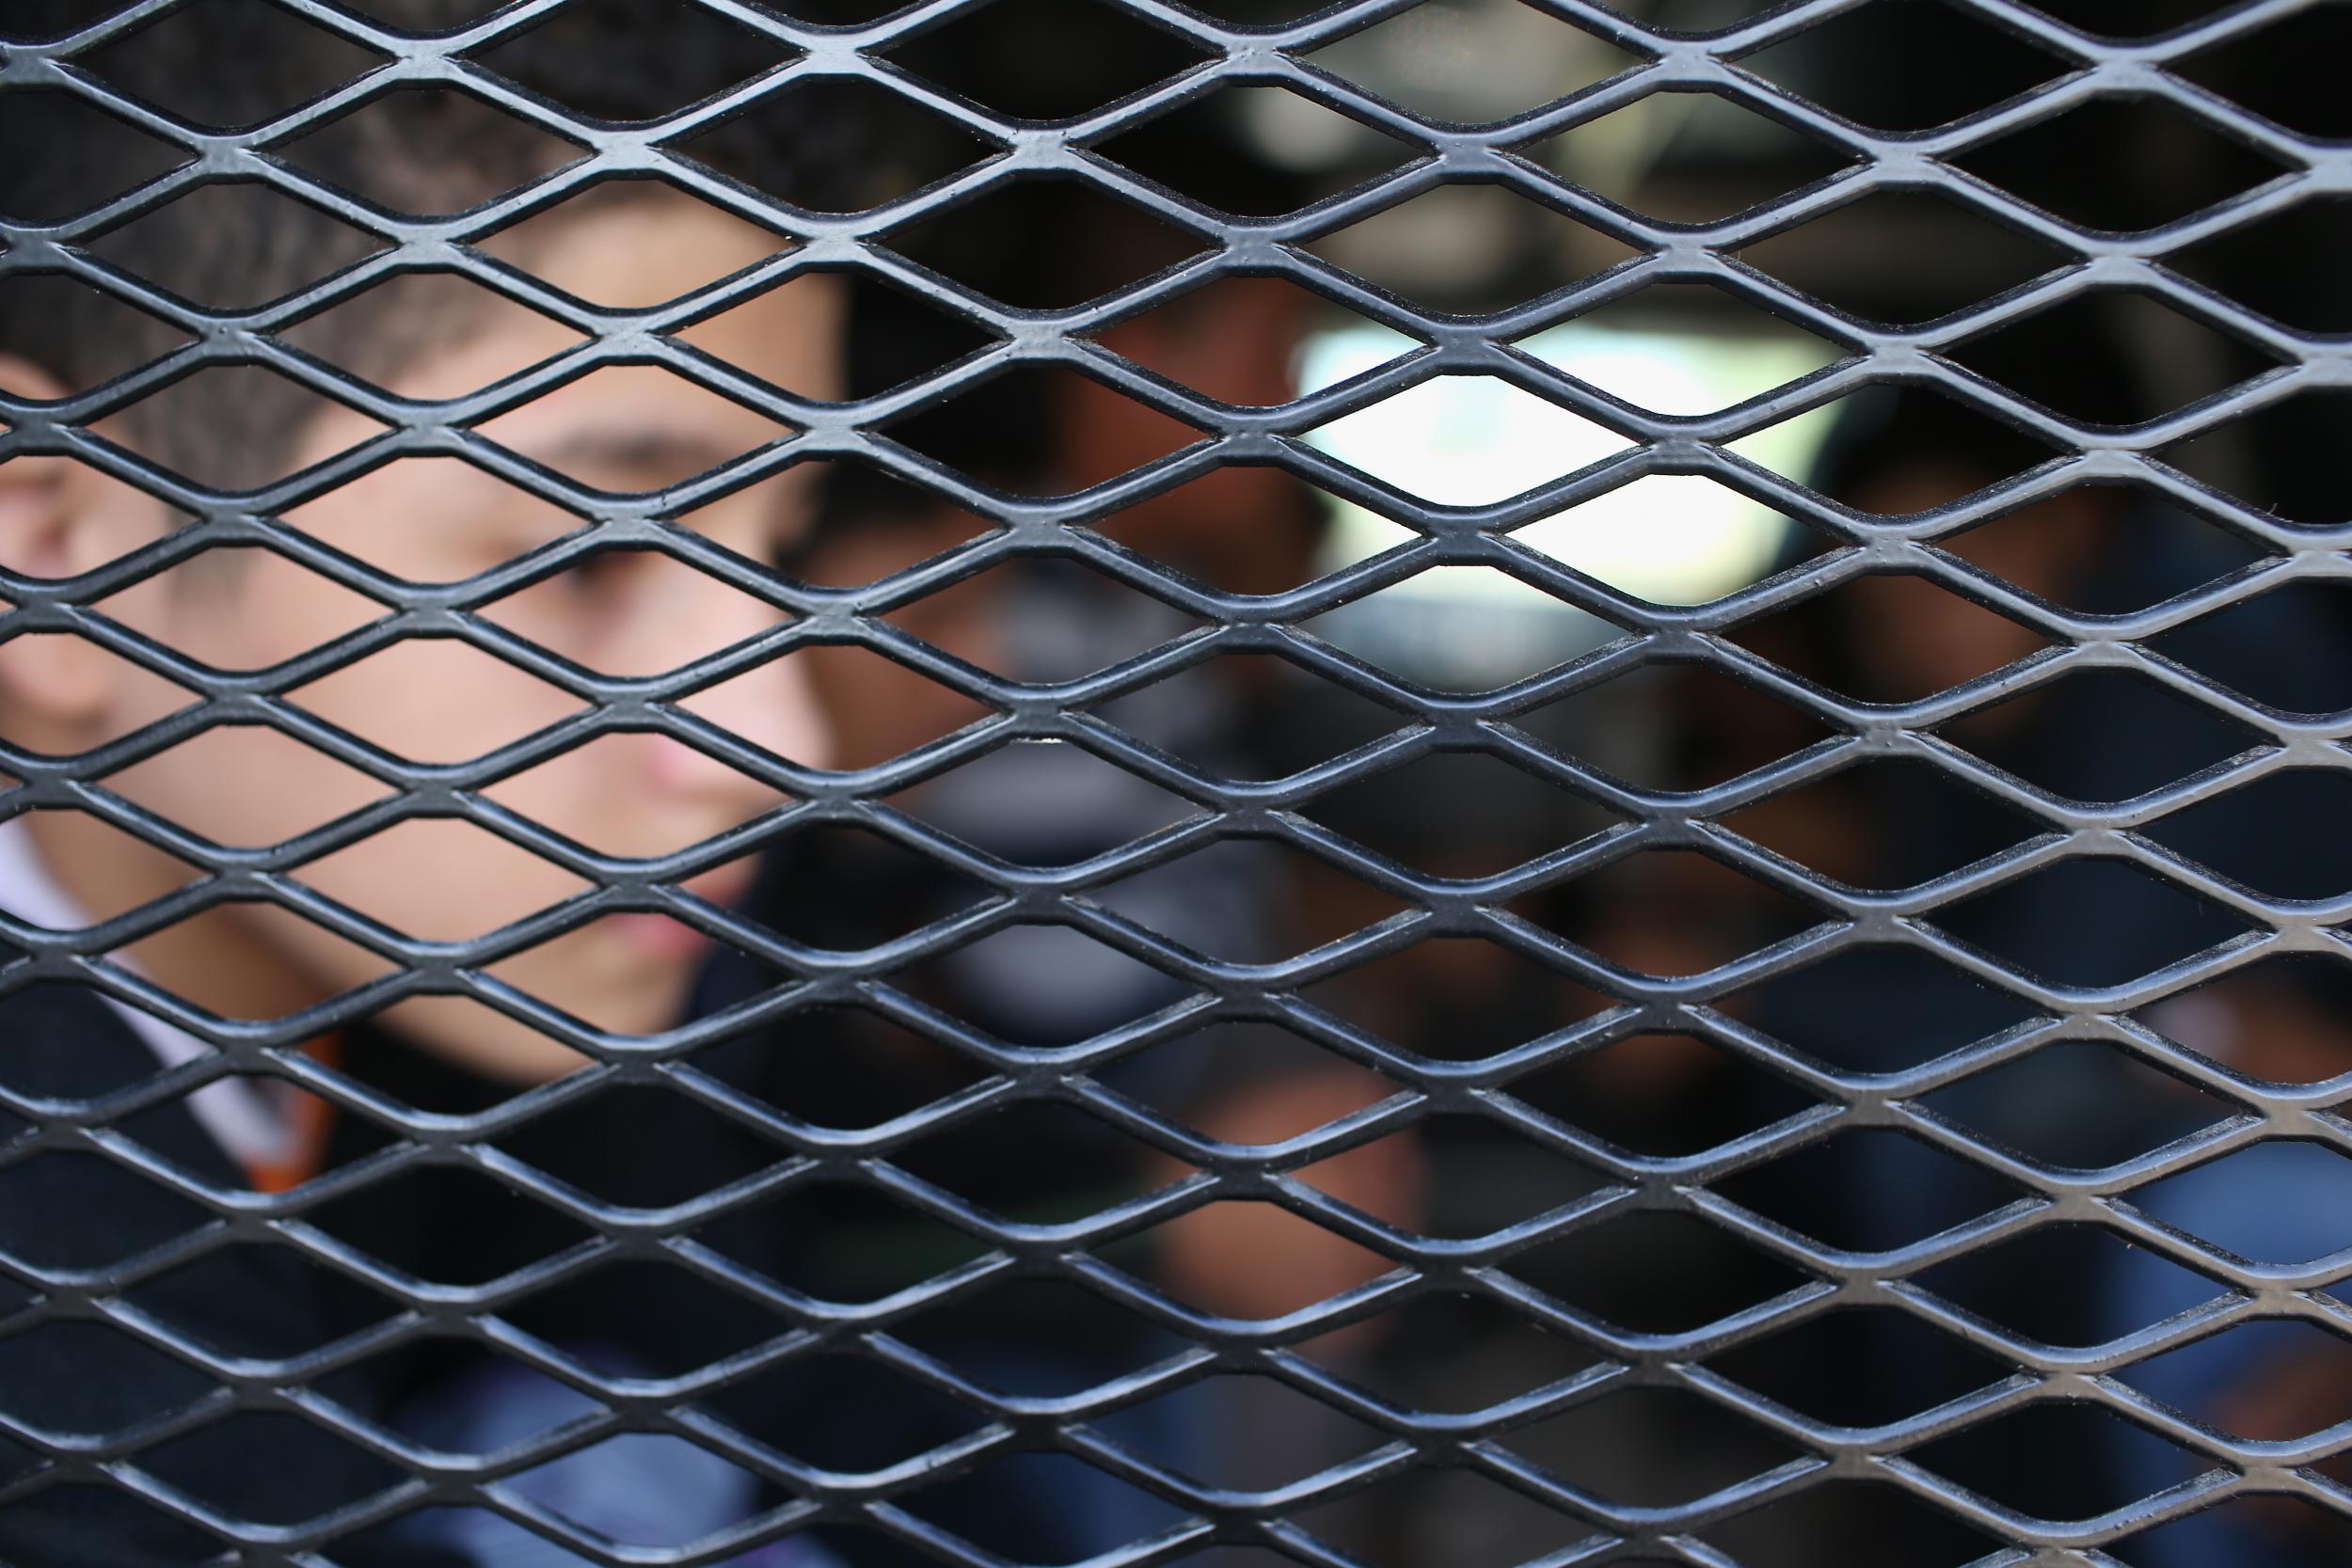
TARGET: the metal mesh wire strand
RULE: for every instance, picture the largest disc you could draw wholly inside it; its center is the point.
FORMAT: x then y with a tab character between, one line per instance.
1898	1458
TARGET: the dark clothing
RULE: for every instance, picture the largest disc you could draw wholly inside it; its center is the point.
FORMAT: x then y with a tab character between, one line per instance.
75	1377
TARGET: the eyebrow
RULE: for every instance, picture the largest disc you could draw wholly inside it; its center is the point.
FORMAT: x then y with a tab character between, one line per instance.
636	449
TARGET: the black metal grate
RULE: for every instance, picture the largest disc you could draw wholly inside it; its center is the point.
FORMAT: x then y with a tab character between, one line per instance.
2086	73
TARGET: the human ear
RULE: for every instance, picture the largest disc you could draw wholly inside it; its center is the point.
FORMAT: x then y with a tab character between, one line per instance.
59	520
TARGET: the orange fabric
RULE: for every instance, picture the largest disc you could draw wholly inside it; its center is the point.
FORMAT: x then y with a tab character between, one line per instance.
308	1121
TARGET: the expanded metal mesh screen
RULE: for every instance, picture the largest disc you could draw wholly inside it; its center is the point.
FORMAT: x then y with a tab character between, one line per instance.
1753	1160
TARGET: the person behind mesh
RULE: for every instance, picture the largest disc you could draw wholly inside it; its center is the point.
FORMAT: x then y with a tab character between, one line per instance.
432	520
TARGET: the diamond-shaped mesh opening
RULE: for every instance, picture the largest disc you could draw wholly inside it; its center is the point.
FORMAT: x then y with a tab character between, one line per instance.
2049	548
138	1382
1480	1522
1654	1272
1660	1095
1800	1366
886	889
1671	539
1125	243
1669	913
2034	1105
1144	434
351	152
1923	639
1753	352
1205	899
1076	805
1392	440
2089	1461
1869	1191
1044	622
1454	1178
2229	835
2280	648
1328	720
1880	1524
508	882
328	610
1906	65
1456	998
726	430
2279	1019
847	1067
596	1320
1919	1008
2176	359
2234	1202
2273	1382
1521	248
351	697
1925	451
711	53
2030	923
447	1225
122	338
796	1408
1520	630
1448	1353
702	245
1473	62
1038	1339
1064	1510
1927	825
2099	735
1702	728
1212	149
879	707
2288	1526
1249	1082
572	613
2270	70
330	789
1194	338
1689	157
145	1215
923	339
2281	263
873	1244
998	984
214	1466
1521	815
1903	257
2068	1285
2119	163
912	147
2252	458
264	395
1688	16
43	116
1202	1259
156	245
588	1145
1298	1436
148	63
346	336
1045	59
1100	1166
1619	1446
201	1299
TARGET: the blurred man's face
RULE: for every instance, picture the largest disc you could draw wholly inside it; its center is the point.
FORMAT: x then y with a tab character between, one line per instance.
628	613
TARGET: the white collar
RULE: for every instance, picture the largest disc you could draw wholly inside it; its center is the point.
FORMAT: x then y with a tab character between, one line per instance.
233	1110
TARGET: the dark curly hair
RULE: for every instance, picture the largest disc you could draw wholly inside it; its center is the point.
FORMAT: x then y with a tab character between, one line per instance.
236	244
